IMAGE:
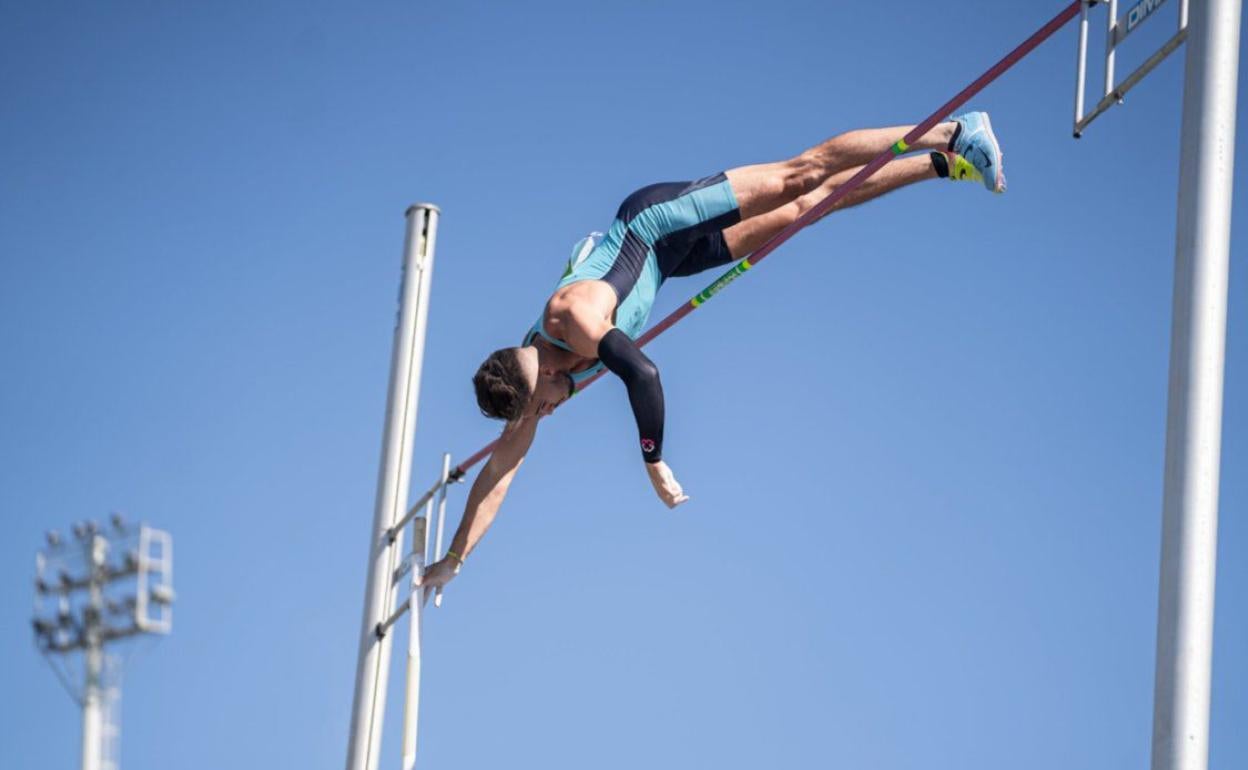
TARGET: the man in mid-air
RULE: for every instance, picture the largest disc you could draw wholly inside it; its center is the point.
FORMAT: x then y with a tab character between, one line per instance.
672	229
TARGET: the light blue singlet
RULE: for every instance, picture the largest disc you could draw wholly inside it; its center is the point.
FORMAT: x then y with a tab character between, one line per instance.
592	256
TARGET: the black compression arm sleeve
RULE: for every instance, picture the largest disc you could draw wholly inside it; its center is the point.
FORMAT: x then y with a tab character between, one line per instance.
622	356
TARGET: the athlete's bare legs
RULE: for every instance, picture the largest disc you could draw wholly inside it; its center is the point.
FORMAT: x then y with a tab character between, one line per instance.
767	186
746	236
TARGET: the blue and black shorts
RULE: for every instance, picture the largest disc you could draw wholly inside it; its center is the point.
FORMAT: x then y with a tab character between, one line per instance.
680	224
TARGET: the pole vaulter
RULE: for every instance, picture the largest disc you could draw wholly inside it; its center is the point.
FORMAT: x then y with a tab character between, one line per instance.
726	207
824	206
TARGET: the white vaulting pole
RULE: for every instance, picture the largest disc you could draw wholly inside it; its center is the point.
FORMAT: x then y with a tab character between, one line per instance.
1194	416
372	673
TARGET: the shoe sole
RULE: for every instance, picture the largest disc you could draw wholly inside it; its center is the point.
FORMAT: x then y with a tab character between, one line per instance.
998	183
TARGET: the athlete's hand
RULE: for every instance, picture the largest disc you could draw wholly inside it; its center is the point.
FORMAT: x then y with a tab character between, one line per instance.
439	574
665	484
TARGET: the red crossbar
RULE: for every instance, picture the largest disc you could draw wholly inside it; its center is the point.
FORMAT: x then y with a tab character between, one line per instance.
821	208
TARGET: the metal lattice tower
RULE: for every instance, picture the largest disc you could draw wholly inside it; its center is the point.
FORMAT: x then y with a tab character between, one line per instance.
99	588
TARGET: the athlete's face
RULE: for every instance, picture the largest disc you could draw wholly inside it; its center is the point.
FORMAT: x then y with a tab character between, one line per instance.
551	389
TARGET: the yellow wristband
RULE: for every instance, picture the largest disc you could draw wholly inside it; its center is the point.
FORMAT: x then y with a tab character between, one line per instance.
455	556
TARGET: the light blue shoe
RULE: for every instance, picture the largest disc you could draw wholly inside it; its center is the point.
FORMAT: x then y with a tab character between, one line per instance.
977	143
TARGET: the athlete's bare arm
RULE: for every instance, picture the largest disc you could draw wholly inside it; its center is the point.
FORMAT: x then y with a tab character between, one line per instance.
485	498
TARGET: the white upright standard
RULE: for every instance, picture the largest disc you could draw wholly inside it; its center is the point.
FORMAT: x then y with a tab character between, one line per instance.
385	545
1194	417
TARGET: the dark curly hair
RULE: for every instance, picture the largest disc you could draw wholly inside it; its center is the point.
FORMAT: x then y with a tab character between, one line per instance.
502	389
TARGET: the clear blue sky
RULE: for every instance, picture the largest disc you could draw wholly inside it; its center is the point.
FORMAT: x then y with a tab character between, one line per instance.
923	444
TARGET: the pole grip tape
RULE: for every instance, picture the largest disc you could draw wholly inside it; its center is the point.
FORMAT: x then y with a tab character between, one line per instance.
734	272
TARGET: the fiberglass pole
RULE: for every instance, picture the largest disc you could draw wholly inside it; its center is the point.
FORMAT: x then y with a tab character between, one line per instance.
372	673
1194	416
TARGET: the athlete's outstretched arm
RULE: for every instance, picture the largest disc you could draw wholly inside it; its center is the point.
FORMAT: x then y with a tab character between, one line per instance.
591	335
484	499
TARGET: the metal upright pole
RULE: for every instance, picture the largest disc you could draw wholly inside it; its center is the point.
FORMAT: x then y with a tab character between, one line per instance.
1194	417
411	706
372	673
1081	65
92	709
1111	47
93	658
437	544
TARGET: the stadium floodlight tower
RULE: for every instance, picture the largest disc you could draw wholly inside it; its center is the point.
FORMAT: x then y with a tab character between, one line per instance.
99	587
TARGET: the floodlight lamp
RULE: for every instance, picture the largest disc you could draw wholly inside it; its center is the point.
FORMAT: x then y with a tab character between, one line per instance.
118	521
162	595
54	538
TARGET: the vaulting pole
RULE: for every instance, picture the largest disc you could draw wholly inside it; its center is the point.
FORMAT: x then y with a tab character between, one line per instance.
1194	416
372	673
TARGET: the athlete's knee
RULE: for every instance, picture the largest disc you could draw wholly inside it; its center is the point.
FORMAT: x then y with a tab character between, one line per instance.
802	174
806	202
781	184
802	206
